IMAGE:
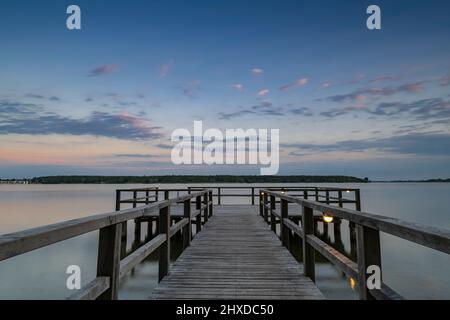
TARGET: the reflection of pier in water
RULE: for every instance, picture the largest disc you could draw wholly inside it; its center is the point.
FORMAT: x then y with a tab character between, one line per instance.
224	250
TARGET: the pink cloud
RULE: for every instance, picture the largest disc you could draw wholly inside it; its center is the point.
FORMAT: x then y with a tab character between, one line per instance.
263	92
166	69
296	84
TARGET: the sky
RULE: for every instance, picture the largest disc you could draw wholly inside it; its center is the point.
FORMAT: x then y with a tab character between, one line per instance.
105	99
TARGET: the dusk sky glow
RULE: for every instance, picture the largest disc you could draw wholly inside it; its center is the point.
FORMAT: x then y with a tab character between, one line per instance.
105	99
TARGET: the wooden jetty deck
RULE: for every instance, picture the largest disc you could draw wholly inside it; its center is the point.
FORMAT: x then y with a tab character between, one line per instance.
236	256
236	251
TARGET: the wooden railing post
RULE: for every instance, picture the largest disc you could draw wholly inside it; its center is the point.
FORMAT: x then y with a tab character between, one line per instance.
206	210
219	198
123	238
308	250
317	193
261	203
266	210
198	216
137	222
187	229
164	249
340	198
108	261
368	254
211	204
273	225
253	196
157	194
358	199
283	229
166	195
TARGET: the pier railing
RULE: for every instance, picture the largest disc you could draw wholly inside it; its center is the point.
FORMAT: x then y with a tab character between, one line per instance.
111	265
368	228
330	195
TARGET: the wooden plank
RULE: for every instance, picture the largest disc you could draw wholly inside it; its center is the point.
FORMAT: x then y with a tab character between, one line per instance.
236	256
92	290
140	254
349	267
108	261
308	250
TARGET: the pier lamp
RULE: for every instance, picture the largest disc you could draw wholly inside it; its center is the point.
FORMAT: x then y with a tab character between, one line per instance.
327	218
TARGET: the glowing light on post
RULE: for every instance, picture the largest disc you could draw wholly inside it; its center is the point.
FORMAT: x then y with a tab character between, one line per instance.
352	283
326	218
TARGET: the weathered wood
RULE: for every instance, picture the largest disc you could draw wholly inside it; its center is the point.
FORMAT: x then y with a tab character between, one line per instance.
283	229
164	249
343	263
432	237
187	230
108	261
140	254
236	256
198	218
92	290
272	214
308	250
368	251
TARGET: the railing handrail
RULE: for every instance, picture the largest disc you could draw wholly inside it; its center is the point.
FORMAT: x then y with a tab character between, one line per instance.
17	243
432	237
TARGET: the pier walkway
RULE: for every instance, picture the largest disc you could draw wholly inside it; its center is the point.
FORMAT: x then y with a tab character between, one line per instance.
236	256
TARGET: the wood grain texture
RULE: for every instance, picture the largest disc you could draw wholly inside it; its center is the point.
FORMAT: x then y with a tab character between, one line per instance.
236	256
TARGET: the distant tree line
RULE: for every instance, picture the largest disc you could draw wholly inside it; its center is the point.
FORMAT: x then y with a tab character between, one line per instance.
193	179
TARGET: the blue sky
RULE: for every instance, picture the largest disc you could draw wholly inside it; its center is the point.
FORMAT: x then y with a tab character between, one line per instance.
105	99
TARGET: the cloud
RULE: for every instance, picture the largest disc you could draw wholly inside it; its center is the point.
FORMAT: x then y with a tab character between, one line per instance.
266	108
326	84
17	118
302	111
263	92
425	109
235	114
102	70
383	78
42	97
190	89
166	69
445	81
137	155
238	86
257	72
296	84
418	144
409	88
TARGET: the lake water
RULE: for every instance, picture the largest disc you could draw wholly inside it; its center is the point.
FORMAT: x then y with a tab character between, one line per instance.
412	270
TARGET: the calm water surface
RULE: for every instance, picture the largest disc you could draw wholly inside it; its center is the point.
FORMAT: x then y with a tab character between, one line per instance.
410	269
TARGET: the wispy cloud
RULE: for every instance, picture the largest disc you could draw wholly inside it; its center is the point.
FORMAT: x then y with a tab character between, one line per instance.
42	97
409	88
423	144
383	78
102	70
263	92
238	86
166	69
257	71
296	84
436	109
191	88
326	84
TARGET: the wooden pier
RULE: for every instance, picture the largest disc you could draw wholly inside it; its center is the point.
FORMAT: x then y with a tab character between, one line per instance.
236	256
232	251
